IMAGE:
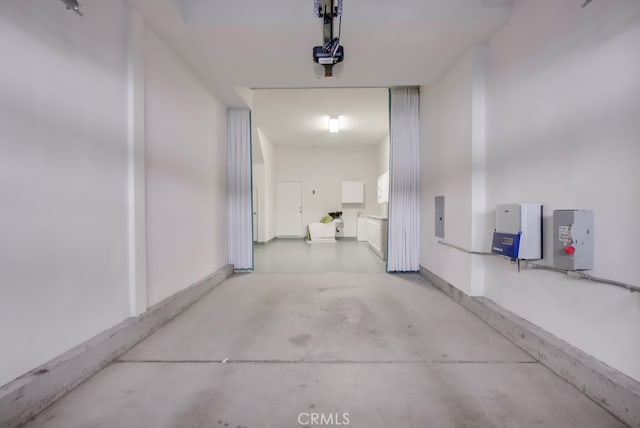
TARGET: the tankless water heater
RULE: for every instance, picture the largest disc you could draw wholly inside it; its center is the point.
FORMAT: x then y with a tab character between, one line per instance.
518	233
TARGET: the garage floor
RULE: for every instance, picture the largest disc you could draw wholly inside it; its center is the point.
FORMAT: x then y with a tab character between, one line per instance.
297	256
344	349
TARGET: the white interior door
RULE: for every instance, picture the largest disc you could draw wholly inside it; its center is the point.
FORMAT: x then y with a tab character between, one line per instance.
289	209
255	214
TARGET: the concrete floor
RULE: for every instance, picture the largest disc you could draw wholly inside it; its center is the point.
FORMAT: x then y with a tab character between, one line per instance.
261	349
297	256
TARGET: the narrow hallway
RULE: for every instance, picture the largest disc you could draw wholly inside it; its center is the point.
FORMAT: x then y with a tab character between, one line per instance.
363	350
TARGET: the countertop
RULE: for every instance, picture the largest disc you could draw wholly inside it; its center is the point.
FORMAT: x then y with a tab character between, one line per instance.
377	217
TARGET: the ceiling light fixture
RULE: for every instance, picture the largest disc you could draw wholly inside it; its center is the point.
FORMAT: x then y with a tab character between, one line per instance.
334	124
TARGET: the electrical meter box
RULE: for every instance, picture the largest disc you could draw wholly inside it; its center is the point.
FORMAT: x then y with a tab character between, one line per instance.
518	233
573	239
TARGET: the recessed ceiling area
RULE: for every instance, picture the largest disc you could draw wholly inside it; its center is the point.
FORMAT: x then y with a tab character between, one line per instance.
299	117
250	43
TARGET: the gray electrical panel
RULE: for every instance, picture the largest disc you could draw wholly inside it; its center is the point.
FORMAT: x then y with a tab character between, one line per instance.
573	239
439	226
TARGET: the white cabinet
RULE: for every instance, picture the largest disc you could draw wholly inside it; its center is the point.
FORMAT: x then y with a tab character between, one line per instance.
362	228
377	235
352	192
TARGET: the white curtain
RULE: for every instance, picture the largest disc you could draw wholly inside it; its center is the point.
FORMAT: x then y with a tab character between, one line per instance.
239	188
404	171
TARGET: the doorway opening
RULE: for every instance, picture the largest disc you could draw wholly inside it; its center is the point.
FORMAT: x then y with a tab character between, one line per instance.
320	206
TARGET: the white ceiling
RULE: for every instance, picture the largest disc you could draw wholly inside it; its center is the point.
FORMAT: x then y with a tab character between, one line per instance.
299	117
236	45
268	44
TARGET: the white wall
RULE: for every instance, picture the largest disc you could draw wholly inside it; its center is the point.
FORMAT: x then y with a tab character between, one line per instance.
324	170
563	119
267	193
186	175
563	101
446	129
63	178
65	135
383	166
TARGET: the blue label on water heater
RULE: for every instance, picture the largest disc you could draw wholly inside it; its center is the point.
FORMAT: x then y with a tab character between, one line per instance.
506	244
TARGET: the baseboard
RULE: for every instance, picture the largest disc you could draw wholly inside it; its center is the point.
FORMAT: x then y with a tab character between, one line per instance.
378	252
613	390
25	397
